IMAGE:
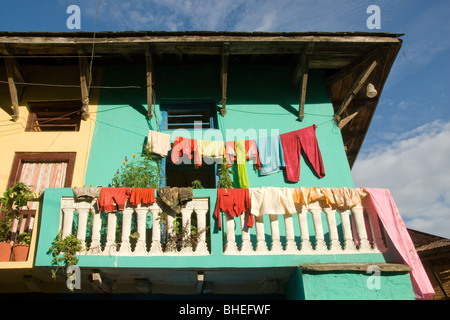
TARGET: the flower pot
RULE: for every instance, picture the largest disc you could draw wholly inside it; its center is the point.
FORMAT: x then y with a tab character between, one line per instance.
20	252
5	251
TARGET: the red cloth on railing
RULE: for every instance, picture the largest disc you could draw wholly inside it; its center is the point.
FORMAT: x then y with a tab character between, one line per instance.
380	200
113	199
234	202
142	195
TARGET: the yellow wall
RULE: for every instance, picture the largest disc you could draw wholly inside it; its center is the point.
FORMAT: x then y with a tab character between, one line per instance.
13	137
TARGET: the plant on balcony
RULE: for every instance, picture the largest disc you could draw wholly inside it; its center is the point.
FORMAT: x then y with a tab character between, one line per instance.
224	176
13	200
141	172
64	251
20	249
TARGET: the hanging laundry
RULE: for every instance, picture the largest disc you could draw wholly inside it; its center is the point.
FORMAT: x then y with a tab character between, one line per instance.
234	202
271	200
211	150
113	199
143	196
175	197
184	150
342	198
241	164
159	142
381	202
296	142
86	193
270	154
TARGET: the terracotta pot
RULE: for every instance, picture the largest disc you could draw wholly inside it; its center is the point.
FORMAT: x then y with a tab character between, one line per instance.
5	251
20	252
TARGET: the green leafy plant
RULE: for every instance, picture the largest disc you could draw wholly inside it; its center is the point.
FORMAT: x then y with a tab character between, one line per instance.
197	184
64	251
224	176
24	238
142	171
13	199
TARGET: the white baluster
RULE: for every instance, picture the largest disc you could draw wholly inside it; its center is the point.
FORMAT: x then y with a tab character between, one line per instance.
364	245
95	247
306	246
316	212
231	246
202	247
67	222
291	246
247	247
335	244
275	231
376	230
110	245
349	244
261	245
155	248
186	230
125	247
82	225
141	248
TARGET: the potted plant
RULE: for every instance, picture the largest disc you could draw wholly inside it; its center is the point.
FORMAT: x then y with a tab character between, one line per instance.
13	199
20	249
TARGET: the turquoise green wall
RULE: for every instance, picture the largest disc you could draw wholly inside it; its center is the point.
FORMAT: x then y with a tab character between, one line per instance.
258	98
341	285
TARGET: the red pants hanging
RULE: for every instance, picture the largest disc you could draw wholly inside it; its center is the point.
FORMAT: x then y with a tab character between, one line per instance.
142	195
234	202
113	199
296	142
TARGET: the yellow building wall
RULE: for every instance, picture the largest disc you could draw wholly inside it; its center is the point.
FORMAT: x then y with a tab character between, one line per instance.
13	137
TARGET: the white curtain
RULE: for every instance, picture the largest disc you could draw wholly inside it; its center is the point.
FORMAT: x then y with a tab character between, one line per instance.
42	175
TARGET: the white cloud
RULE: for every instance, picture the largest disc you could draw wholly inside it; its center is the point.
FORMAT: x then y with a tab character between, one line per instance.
415	167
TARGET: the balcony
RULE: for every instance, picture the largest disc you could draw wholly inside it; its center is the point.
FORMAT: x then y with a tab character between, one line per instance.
315	230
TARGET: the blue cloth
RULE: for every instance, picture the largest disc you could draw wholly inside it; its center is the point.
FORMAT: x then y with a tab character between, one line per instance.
270	154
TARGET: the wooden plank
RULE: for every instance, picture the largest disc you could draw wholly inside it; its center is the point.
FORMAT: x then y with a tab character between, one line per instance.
224	77
327	267
12	89
85	84
303	88
149	82
357	85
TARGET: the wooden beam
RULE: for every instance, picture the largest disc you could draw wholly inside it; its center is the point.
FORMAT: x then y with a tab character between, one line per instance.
12	89
303	87
224	77
149	77
296	77
357	85
346	120
355	66
84	83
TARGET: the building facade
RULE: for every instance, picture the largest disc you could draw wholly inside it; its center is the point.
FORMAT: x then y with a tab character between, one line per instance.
85	111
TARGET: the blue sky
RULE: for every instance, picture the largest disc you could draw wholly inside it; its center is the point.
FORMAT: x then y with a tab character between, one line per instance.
407	148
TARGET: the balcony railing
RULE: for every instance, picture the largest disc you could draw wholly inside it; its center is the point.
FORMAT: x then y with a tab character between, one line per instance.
316	229
103	238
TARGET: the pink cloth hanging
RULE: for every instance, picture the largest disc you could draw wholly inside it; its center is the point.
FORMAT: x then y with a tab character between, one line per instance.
380	200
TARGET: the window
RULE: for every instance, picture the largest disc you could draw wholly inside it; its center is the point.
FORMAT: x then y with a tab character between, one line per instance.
43	170
186	114
54	116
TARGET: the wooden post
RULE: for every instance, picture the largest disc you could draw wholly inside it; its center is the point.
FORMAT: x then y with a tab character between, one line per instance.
357	85
301	75
149	76
224	78
84	83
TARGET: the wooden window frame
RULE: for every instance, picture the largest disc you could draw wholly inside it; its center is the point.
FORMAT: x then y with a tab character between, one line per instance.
70	119
190	109
22	157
